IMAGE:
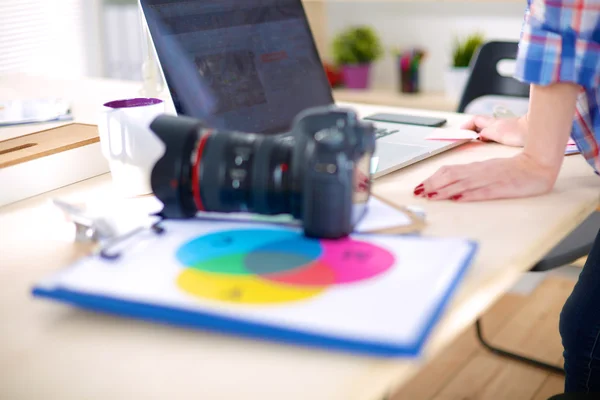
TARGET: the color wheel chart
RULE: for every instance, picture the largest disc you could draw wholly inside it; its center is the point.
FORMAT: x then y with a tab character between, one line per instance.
273	266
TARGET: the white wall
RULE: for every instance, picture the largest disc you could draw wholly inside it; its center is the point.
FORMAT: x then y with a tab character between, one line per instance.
85	37
431	25
49	37
71	38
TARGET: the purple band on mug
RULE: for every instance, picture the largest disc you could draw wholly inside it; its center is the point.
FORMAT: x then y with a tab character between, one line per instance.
129	103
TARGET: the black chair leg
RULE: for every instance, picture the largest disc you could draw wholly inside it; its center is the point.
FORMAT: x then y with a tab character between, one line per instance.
513	356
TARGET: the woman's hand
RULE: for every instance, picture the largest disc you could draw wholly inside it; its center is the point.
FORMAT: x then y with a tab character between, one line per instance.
534	171
509	131
519	176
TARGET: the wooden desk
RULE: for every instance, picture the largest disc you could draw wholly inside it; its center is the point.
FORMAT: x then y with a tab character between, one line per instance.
49	350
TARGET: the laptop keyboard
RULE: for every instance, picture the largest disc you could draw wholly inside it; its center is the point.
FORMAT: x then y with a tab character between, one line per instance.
382	132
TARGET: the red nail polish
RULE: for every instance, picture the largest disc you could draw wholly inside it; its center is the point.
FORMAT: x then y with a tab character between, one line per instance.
432	194
418	191
456	197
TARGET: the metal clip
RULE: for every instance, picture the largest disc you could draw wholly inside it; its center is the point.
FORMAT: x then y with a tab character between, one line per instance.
87	228
101	231
105	251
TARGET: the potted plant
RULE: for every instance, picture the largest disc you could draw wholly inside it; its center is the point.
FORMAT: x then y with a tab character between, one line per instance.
462	54
354	50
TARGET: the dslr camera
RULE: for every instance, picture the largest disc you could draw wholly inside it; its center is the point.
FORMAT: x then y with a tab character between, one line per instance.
319	172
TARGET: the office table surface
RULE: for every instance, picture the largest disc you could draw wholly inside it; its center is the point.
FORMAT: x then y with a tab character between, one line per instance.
50	350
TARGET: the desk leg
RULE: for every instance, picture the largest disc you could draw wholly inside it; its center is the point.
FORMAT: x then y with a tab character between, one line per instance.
514	356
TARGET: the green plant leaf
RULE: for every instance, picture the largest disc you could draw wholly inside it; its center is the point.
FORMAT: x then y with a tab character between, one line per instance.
356	45
463	51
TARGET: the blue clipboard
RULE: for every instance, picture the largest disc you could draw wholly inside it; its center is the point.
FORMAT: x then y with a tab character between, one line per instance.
209	318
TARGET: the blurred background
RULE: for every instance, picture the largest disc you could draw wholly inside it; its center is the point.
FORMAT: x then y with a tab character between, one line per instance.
104	38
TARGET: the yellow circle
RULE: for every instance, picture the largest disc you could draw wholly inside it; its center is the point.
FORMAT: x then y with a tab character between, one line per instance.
241	289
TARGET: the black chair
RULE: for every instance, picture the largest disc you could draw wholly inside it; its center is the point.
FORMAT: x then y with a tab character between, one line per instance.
485	80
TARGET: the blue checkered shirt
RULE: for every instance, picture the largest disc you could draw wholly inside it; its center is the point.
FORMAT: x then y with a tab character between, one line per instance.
560	42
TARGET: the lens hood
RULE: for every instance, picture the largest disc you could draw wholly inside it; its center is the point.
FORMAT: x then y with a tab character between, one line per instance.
171	175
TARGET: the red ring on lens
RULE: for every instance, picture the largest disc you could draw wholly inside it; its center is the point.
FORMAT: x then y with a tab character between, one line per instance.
195	172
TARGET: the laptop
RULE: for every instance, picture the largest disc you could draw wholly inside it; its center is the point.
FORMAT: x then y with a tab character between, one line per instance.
252	66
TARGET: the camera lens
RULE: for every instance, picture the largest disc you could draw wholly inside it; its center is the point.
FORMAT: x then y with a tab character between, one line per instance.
244	172
208	170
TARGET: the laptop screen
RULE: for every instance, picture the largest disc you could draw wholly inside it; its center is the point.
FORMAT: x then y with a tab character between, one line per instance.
255	58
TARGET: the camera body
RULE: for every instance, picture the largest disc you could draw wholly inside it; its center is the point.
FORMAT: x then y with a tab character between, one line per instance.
332	148
319	172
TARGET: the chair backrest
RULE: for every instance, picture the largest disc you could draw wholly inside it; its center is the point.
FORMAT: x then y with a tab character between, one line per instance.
484	79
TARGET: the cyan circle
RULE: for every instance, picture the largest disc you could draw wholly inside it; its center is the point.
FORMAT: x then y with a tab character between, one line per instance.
224	243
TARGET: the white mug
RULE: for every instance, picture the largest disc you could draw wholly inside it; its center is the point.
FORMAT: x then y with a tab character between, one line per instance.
129	144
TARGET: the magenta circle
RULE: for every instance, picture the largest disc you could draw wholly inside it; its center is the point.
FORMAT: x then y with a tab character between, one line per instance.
354	261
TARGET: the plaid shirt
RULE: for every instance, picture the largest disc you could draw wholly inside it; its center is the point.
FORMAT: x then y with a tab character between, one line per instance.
560	42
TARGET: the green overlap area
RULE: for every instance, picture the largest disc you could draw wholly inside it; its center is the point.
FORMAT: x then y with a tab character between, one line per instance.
231	264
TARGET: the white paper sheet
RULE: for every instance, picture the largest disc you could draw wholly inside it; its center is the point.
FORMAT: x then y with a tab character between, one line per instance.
452	134
379	216
16	112
385	288
382	216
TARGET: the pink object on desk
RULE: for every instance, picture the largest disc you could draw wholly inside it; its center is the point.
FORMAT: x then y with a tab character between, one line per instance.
462	134
452	134
572	147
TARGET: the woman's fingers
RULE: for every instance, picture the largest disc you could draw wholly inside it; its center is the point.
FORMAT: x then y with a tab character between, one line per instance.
493	191
489	192
492	133
478	123
456	190
442	178
500	178
460	182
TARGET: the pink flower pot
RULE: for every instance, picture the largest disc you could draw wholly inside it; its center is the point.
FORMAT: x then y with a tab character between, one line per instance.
356	76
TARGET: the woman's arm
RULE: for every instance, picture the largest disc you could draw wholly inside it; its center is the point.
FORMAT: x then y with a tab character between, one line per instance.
532	172
559	53
550	118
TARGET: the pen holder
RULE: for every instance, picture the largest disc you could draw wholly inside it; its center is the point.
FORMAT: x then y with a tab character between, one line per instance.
408	63
409	80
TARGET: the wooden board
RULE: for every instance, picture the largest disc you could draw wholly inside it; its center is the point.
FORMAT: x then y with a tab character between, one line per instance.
45	143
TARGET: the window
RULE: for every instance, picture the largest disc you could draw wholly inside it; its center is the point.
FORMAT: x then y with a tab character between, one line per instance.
49	37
